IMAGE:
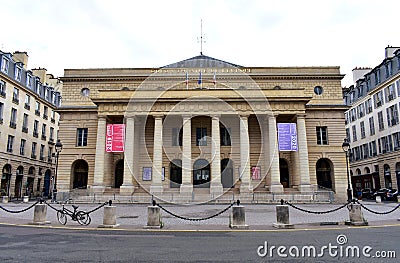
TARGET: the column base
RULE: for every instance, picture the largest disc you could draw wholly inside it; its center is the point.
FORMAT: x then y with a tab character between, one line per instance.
98	189
126	189
156	189
305	188
216	189
276	188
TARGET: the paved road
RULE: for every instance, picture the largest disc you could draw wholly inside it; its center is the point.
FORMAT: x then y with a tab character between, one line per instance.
38	244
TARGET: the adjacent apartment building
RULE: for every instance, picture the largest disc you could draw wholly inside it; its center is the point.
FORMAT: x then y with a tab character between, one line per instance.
372	124
28	126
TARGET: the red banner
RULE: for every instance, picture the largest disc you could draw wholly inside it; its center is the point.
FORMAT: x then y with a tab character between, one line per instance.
115	138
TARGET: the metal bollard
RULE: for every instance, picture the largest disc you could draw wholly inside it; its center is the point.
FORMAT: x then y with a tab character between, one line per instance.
26	199
153	217
5	199
356	216
282	217
39	215
378	199
109	217
238	217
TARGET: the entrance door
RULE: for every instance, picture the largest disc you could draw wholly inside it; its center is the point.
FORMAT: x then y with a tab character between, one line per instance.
46	191
80	174
201	174
175	173
18	186
227	173
119	174
324	177
284	172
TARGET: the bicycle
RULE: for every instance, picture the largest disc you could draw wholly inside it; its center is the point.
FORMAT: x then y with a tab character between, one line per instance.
82	217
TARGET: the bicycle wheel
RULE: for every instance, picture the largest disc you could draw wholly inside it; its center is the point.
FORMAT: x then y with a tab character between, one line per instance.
83	218
62	217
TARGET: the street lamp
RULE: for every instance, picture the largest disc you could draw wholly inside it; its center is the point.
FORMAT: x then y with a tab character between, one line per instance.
58	148
346	147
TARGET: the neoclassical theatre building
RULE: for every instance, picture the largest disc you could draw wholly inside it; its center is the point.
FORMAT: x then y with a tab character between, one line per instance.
202	127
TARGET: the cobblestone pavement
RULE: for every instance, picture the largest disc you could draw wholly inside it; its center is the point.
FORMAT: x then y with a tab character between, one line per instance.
258	216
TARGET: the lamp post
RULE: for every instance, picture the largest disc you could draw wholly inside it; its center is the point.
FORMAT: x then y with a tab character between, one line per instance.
58	148
346	147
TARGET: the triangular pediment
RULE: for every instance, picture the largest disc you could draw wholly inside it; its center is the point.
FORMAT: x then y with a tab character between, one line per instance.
202	61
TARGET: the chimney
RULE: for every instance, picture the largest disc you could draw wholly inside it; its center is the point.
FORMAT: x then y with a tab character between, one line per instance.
19	56
41	73
389	51
358	73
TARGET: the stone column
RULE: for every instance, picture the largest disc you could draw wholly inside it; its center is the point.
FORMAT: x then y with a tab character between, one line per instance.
276	186
216	185
305	185
127	187
187	185
98	183
244	155
156	186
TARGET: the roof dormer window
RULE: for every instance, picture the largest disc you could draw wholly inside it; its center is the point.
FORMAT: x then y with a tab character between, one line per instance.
18	73
5	63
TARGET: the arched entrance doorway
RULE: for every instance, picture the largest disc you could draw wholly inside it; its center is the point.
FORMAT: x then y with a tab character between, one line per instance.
119	174
18	182
387	175
5	180
80	174
47	183
175	173
284	172
227	173
324	176
30	181
201	174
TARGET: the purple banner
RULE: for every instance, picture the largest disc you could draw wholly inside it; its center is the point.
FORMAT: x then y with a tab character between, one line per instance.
287	136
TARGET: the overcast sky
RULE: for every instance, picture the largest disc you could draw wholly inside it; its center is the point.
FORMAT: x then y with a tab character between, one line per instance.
60	34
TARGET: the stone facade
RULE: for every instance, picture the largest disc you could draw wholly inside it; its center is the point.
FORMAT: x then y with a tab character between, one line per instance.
202	125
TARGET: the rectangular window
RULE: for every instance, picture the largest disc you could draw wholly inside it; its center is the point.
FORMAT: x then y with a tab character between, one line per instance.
35	128
4	65
368	82
348	134
22	147
81	136
390	93
10	143
360	110
322	135
362	127
365	150
29	80
377	75
33	153
45	112
176	137
225	136
201	136
50	155
27	102
368	106
378	99
41	152
388	68
371	126
13	118
25	123
398	87
392	115
15	98
1	112
44	131
396	140
51	134
37	108
380	121
2	89
354	133
18	73
353	114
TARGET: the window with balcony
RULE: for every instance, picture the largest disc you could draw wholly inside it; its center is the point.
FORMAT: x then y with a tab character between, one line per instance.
33	151
368	106
27	102
360	110
37	108
45	112
353	128
396	141
22	147
371	126
41	152
378	99
35	128
390	93
43	131
362	127
13	118
15	98
388	68
380	121
25	123
392	115
51	139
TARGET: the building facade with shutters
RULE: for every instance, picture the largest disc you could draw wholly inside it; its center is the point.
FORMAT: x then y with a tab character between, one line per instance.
202	127
28	126
372	124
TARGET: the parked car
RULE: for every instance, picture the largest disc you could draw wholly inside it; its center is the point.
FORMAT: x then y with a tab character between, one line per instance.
367	193
392	195
382	193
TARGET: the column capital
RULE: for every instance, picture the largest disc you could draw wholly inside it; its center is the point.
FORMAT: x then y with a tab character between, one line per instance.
301	115
186	116
244	116
158	116
215	116
130	116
